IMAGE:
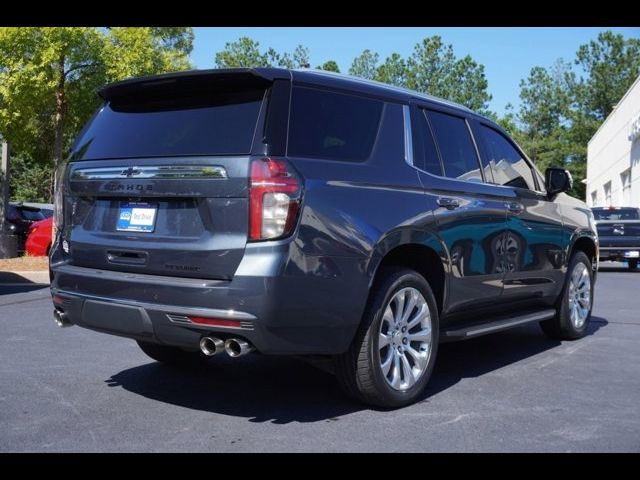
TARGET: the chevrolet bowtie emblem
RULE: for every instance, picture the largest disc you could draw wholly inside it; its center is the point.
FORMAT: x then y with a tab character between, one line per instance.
130	172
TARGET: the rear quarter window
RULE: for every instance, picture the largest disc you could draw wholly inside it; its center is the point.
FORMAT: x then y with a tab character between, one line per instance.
332	125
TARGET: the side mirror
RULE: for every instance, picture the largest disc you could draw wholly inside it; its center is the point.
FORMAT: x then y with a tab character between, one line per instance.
557	180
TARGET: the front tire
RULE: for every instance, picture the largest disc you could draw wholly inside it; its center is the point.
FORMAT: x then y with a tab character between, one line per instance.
171	355
393	353
575	305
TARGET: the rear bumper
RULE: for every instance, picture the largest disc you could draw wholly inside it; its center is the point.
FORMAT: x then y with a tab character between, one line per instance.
283	309
618	253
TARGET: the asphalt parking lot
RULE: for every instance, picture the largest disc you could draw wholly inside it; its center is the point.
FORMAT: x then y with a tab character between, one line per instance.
75	390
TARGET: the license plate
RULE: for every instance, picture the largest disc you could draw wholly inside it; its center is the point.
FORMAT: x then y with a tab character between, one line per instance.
632	254
136	217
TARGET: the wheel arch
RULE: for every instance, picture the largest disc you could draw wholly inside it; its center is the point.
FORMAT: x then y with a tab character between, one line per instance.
420	250
587	243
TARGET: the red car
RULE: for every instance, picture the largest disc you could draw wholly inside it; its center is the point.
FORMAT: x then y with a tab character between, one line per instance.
39	239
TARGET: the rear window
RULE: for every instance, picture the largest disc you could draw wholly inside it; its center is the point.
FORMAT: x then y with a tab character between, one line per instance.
202	125
617	214
332	125
31	215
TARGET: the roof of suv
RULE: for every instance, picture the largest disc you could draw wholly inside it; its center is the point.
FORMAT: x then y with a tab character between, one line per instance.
323	77
316	77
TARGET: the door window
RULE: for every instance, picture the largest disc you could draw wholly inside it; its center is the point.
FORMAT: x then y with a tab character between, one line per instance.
457	151
508	165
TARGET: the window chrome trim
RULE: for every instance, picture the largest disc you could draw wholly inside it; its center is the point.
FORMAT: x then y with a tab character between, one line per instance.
408	136
214	172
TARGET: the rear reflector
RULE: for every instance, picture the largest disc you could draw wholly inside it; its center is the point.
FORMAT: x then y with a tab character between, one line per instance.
58	300
217	322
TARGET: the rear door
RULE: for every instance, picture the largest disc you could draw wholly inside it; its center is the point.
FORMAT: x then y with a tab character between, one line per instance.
158	182
471	218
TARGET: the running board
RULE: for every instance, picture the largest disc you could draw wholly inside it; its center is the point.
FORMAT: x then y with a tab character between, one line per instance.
497	326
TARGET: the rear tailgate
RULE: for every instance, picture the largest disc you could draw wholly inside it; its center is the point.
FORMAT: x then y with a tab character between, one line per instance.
158	182
619	233
200	225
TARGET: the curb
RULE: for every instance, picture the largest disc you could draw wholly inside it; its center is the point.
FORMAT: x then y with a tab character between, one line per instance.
34	276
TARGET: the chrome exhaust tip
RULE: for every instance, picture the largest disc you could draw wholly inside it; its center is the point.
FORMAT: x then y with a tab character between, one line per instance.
236	347
61	319
211	345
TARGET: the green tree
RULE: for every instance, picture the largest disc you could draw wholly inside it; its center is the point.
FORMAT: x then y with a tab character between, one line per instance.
329	66
299	58
245	52
364	65
610	63
561	109
544	120
48	78
433	68
393	71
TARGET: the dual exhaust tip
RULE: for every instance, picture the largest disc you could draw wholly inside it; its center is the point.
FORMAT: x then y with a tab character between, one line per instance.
210	346
234	347
61	319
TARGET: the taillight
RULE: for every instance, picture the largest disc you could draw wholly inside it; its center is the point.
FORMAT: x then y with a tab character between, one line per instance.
274	199
58	201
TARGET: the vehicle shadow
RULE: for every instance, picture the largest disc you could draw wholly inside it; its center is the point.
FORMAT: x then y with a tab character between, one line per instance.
281	390
11	282
615	268
474	358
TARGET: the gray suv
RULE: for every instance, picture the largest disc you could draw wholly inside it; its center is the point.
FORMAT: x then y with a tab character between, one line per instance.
307	213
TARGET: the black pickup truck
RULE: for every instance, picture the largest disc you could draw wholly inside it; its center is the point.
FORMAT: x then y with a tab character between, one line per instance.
619	234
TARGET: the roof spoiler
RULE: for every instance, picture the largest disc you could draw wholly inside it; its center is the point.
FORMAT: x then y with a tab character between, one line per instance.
192	81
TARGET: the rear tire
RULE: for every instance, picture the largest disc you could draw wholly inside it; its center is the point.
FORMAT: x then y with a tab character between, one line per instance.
574	306
393	353
633	264
171	355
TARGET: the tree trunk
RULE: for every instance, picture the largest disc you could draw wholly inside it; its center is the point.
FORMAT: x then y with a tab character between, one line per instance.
58	121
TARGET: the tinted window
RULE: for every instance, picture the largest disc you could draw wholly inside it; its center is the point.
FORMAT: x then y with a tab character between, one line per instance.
332	125
215	124
617	214
456	147
12	214
31	215
509	168
425	155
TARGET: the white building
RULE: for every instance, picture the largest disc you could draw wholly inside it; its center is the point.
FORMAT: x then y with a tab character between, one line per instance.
613	156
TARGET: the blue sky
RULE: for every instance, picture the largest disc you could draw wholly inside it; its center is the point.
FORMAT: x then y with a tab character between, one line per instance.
508	54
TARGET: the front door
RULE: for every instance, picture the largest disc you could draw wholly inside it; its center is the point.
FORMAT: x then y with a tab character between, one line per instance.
533	241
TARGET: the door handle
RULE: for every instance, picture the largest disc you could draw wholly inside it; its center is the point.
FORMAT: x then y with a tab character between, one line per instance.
448	203
515	207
